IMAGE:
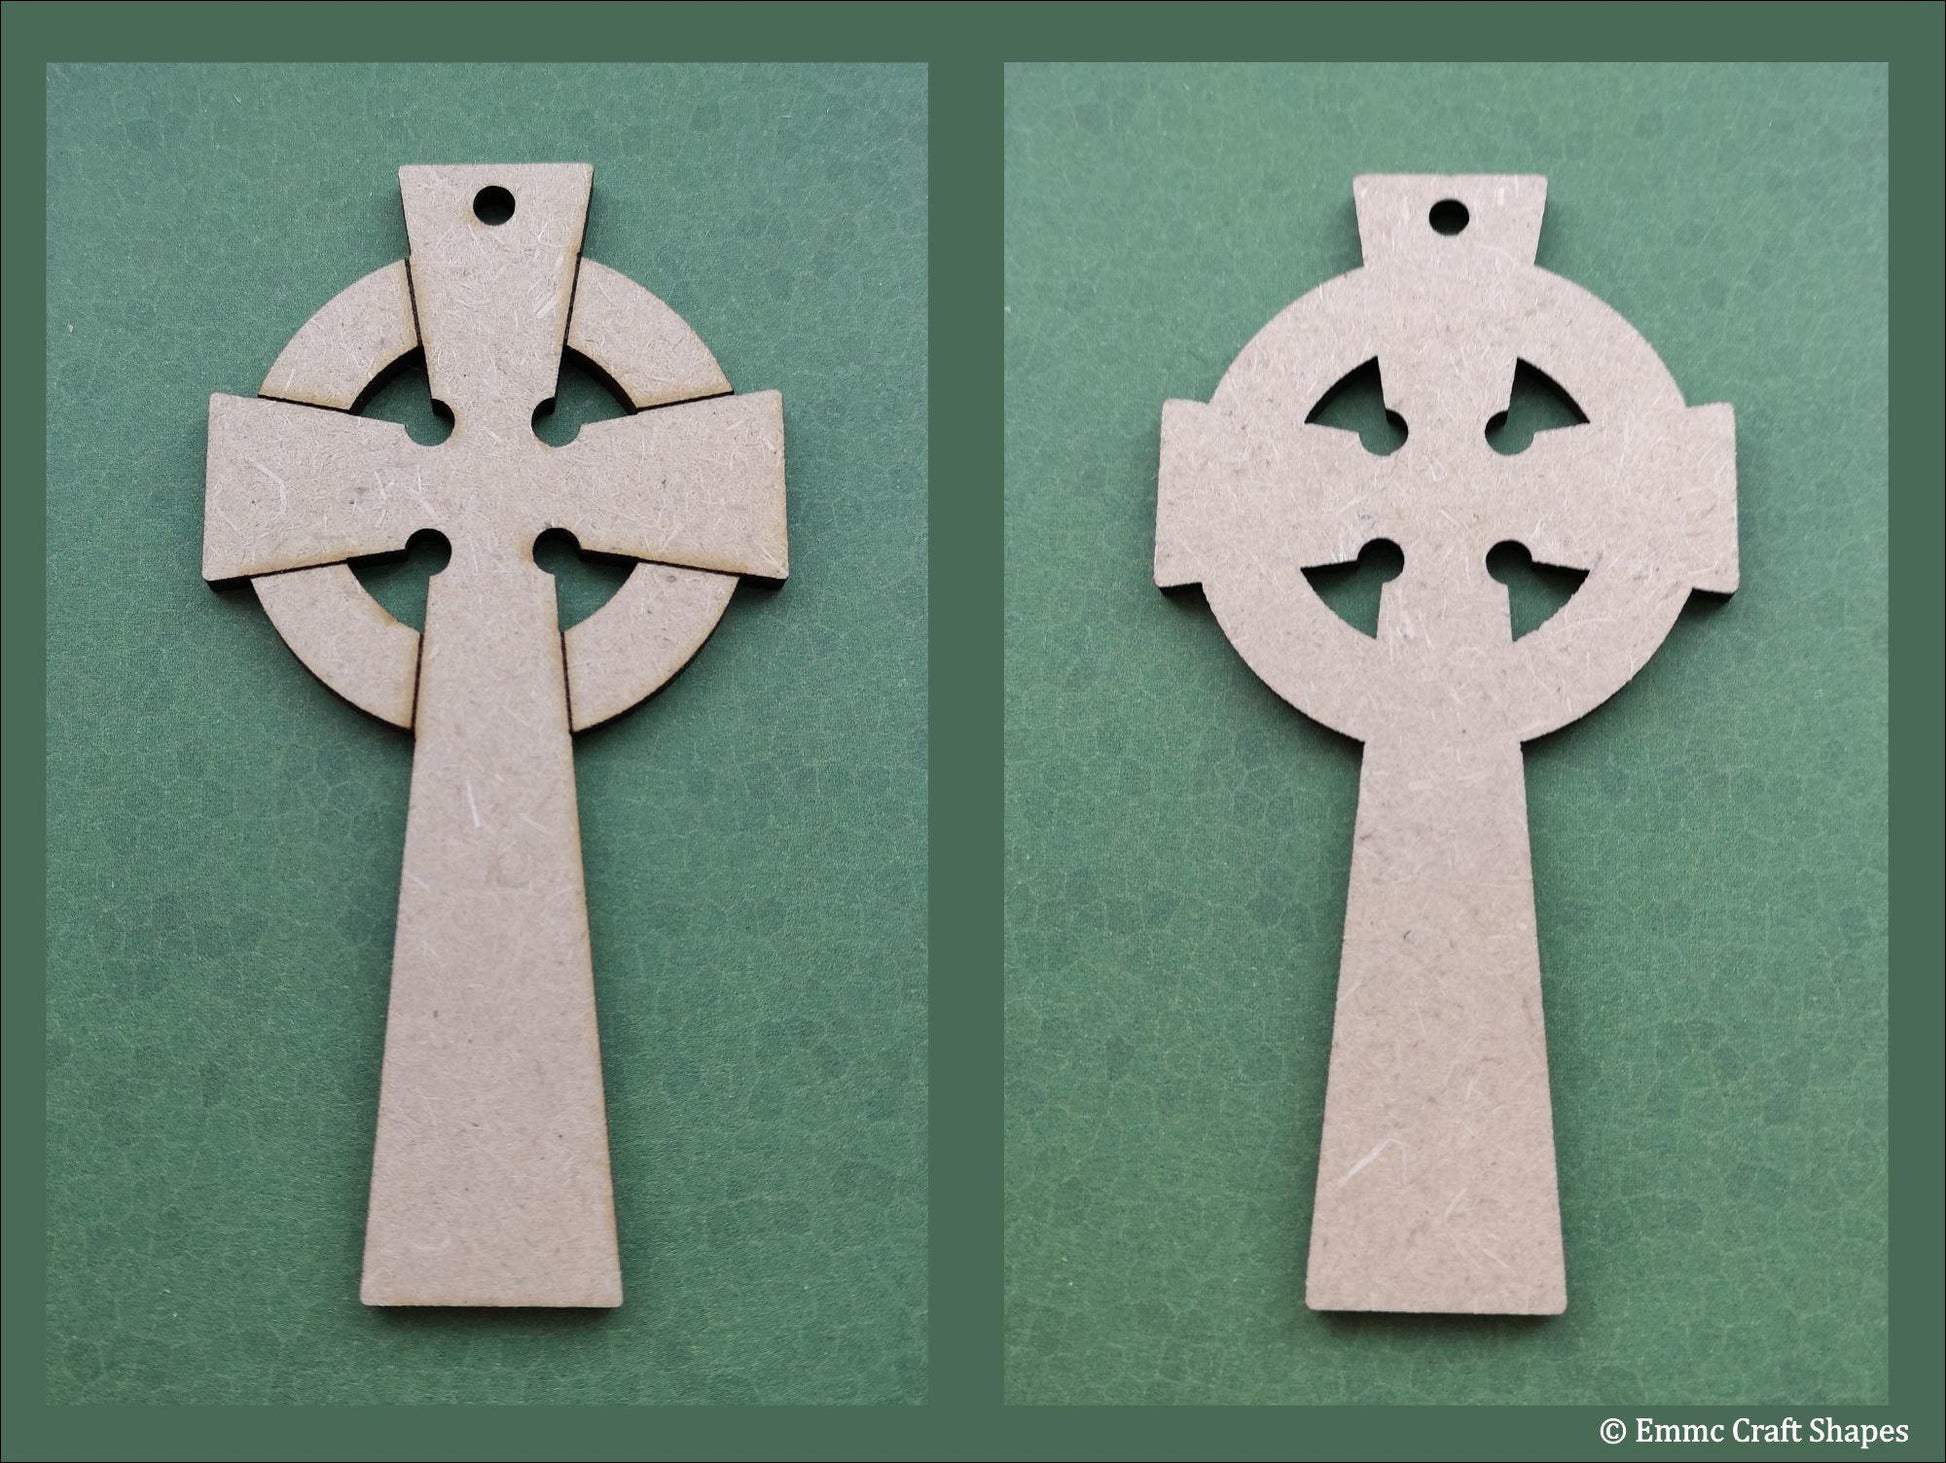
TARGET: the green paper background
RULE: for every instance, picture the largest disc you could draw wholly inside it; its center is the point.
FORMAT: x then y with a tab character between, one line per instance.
224	834
1710	848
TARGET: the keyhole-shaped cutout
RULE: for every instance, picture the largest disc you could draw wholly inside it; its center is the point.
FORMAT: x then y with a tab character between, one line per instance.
1535	592
1353	590
583	581
1538	404
582	394
1357	404
398	581
404	395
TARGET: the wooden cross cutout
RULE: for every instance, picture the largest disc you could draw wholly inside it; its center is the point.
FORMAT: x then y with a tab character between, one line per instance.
490	1176
1436	1184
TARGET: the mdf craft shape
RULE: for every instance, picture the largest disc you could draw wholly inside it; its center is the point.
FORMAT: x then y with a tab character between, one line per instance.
490	1176
1436	1184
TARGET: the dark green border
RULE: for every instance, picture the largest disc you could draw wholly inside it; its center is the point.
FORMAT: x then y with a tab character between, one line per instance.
965	46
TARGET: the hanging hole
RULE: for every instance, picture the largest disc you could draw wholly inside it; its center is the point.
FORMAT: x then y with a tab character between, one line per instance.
1357	404
583	581
493	205
398	581
1536	403
1535	592
1449	217
1353	590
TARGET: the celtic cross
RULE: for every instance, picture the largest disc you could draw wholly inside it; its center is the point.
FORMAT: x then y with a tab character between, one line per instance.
490	1174
1436	1184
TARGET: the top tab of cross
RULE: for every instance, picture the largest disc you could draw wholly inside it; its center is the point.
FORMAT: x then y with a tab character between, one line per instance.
494	250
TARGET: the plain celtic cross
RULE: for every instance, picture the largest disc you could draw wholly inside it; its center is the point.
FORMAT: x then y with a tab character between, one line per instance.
1436	1182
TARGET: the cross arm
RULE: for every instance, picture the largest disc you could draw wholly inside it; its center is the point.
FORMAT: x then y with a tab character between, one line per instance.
291	486
1229	486
699	485
1660	494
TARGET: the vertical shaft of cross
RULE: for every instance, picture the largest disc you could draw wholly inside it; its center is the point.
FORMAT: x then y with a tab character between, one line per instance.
490	1178
1436	1181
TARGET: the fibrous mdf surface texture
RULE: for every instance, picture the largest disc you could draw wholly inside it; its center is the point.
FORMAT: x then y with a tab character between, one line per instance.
490	1182
1436	1184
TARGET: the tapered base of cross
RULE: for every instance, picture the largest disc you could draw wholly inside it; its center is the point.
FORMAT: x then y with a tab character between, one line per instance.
490	1176
1436	1181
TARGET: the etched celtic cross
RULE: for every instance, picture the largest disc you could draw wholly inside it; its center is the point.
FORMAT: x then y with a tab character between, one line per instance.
1436	1183
490	1176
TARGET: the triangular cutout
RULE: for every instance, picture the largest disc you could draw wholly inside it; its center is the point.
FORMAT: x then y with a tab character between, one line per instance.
582	394
583	582
1535	592
1352	591
1357	404
1538	404
398	581
403	394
